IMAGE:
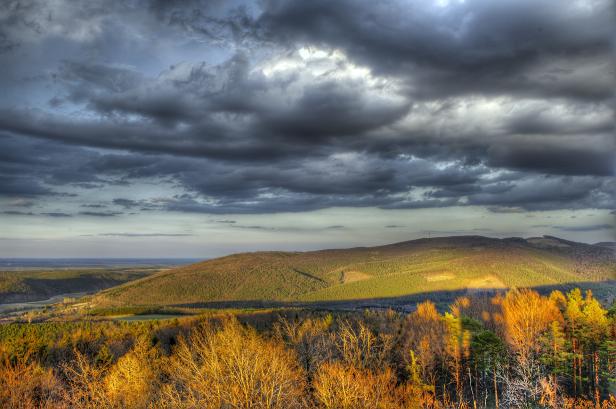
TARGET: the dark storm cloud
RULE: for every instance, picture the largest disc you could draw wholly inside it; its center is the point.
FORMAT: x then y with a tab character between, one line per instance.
225	221
287	203
539	123
592	227
217	22
343	180
17	213
100	214
197	96
296	185
294	106
126	203
554	158
468	46
94	206
21	186
56	214
546	193
330	110
46	214
252	227
31	168
506	209
145	234
287	228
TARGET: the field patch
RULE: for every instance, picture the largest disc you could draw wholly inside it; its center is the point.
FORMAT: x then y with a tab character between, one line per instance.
352	276
147	317
439	277
488	281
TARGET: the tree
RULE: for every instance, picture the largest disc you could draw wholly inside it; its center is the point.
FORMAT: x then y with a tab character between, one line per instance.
309	338
424	335
457	344
489	353
573	320
133	380
344	386
526	318
233	367
554	357
28	385
359	346
595	326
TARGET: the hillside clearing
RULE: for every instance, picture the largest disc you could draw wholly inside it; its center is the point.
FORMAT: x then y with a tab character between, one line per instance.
439	277
352	276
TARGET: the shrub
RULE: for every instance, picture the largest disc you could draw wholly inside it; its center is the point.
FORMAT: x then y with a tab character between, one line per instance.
233	366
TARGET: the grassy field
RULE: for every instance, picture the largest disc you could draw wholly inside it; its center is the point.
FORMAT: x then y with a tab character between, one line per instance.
398	270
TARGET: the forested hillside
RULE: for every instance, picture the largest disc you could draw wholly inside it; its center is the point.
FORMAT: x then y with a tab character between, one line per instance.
465	263
22	286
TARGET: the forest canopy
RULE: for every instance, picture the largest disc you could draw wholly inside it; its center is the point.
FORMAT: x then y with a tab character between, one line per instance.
509	350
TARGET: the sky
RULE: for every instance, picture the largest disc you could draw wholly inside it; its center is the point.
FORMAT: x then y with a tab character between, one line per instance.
200	128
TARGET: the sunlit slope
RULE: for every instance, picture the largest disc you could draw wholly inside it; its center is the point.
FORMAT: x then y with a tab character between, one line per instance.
449	263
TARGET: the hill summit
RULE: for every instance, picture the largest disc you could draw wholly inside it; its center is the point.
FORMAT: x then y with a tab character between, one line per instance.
396	270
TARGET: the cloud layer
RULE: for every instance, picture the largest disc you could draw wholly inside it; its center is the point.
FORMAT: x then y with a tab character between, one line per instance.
278	106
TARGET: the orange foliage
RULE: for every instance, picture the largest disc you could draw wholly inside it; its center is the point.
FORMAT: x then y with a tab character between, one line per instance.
425	335
28	386
526	316
233	367
340	386
379	360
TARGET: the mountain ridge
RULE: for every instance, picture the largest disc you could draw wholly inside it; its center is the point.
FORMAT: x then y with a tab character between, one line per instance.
391	270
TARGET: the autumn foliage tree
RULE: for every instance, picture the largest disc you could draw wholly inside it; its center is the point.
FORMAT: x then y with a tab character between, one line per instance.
514	349
233	366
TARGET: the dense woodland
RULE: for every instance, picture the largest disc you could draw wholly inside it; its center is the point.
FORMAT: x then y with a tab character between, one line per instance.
31	285
392	271
510	350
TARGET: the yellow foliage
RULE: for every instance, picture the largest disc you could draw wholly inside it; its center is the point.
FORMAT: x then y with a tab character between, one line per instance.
233	367
526	316
28	386
425	335
132	381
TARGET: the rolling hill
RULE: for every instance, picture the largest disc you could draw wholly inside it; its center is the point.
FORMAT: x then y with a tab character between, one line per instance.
34	285
461	263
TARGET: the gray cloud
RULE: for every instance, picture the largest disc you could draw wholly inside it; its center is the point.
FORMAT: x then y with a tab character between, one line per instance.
126	203
592	227
100	214
56	214
225	221
17	213
145	234
464	47
555	158
287	106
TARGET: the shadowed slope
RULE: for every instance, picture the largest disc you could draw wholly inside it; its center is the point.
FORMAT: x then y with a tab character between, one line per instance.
23	286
